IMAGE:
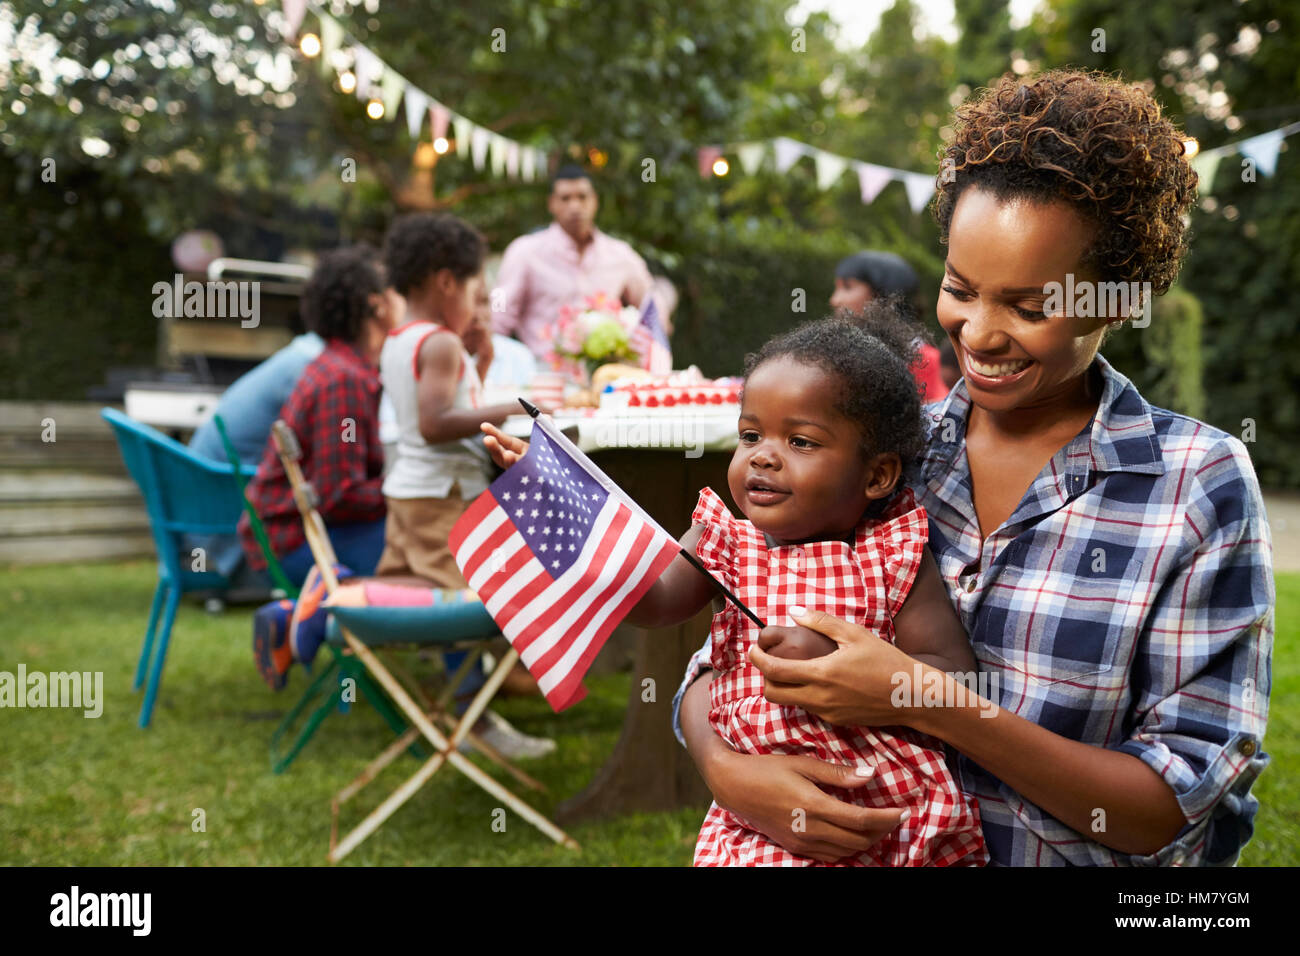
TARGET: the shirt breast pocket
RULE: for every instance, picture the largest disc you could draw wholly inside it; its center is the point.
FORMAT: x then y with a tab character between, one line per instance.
1060	614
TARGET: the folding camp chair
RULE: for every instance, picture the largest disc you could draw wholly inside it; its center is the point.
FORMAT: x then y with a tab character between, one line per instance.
184	493
471	620
321	695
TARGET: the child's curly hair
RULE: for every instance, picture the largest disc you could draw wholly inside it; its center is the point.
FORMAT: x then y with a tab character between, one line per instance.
1087	138
422	243
870	356
336	300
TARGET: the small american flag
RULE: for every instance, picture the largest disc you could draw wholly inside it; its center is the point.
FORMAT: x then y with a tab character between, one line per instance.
559	555
651	341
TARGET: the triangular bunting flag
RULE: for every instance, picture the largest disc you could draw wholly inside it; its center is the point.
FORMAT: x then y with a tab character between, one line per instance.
293	13
829	168
706	156
331	38
920	189
872	179
479	140
414	104
787	152
1263	150
391	88
512	159
497	146
439	117
751	156
464	134
541	163
367	68
1206	165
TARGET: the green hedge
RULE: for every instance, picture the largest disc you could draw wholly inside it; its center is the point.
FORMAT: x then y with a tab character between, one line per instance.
748	283
76	278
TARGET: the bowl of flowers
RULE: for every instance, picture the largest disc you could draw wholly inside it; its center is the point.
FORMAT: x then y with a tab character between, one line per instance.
592	334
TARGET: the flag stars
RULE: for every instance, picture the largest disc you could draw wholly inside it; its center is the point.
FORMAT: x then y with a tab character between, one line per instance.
534	514
519	512
537	496
524	479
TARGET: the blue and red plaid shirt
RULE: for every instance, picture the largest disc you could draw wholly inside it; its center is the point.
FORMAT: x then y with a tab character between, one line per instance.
334	411
1126	603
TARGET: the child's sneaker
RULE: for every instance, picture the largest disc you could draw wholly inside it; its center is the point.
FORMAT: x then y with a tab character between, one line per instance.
310	616
271	642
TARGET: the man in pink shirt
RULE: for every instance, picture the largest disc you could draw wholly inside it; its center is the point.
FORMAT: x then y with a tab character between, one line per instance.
562	264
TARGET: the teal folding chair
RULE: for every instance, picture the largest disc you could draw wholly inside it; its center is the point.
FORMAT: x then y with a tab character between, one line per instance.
184	494
322	696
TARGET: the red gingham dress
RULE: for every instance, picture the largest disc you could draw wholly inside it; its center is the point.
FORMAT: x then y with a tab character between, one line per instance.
865	584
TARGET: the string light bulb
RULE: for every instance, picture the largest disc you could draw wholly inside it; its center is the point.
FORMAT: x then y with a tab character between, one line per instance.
721	167
440	145
375	109
310	45
1191	147
347	81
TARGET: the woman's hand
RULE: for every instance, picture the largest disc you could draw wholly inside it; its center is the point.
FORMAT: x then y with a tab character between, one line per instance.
504	449
766	791
850	687
778	796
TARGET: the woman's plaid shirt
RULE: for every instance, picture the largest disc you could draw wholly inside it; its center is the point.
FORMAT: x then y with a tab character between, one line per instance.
1126	603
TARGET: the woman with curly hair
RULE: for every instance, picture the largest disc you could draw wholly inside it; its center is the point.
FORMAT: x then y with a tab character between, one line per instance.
1108	559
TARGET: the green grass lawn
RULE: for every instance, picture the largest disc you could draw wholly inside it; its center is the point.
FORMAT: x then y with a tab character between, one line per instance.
77	791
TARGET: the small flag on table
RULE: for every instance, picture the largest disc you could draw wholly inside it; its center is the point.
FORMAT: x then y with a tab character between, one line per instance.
651	341
559	555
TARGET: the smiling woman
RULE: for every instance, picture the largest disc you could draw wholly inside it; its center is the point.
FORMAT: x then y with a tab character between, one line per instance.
1109	560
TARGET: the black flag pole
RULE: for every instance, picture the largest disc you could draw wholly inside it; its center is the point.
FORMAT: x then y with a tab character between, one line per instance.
534	411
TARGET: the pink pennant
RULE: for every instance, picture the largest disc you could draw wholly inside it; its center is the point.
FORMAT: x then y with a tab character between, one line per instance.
439	117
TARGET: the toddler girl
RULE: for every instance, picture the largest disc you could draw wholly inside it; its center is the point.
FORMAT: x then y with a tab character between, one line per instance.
829	421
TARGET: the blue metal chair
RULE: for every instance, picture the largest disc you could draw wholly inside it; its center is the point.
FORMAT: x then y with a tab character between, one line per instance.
184	494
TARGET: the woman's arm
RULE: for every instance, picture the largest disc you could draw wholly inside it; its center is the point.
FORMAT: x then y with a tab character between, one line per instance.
1070	780
764	791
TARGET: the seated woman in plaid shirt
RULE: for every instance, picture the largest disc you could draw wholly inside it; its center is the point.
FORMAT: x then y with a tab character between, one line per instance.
334	412
1110	560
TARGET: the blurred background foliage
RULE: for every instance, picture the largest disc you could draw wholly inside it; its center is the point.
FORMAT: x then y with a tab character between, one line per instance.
200	115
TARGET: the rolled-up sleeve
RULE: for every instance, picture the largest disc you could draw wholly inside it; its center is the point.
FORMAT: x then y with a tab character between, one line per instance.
1202	675
698	664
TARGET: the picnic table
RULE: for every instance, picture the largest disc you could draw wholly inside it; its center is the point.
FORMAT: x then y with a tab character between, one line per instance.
648	769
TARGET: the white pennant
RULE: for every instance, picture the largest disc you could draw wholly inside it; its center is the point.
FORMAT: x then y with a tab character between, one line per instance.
1263	149
512	159
331	38
497	148
872	179
464	134
788	152
415	102
478	142
751	156
367	69
829	168
391	88
920	189
527	168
